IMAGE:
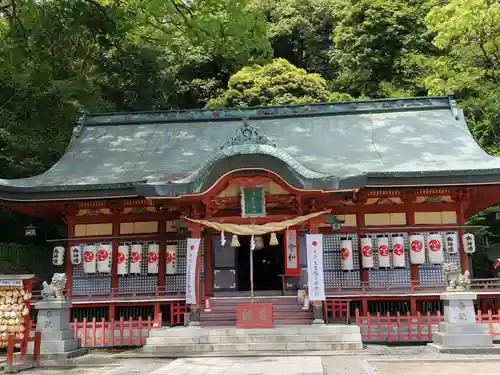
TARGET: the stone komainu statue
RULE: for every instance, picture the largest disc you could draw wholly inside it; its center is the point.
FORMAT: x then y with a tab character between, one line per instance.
54	290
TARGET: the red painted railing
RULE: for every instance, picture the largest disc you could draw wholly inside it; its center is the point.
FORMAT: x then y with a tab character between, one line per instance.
25	364
402	327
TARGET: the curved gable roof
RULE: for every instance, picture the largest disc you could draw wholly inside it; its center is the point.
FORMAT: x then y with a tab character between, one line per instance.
335	145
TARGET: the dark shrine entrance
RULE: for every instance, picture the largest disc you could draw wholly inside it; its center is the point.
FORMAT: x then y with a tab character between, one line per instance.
268	265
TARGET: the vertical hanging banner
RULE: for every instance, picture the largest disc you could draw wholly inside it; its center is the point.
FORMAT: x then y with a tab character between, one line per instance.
292	264
104	252
193	245
135	258
315	275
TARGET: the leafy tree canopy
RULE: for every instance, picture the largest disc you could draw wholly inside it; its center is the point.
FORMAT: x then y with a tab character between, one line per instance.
276	83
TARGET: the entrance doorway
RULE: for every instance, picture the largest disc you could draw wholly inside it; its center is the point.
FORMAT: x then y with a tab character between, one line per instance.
268	264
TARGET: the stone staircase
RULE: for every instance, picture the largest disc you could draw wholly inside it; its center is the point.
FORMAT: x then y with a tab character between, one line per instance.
226	342
286	311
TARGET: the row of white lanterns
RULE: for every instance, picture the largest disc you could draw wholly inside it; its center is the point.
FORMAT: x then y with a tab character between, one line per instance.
97	258
418	244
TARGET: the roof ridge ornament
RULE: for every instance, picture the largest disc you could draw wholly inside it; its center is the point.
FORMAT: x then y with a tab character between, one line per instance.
247	134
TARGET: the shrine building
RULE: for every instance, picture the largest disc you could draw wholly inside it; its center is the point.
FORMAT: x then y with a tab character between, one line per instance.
163	208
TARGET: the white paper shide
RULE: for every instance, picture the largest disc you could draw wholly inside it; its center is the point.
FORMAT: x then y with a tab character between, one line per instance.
193	245
315	272
346	254
435	248
398	251
366	252
417	249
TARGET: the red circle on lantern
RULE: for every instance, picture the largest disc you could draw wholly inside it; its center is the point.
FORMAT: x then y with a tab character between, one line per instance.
383	250
367	251
398	249
192	247
345	253
120	258
135	257
314	243
435	245
88	256
152	257
169	258
416	246
102	255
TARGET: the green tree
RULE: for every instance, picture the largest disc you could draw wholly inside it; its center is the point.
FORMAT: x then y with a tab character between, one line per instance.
300	32
468	34
276	83
374	43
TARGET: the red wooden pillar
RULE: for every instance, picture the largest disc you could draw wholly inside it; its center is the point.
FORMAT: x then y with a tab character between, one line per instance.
360	222
464	258
207	238
111	311
413	306
114	255
69	268
162	265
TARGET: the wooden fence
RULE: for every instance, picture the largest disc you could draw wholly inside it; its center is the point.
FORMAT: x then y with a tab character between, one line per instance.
375	328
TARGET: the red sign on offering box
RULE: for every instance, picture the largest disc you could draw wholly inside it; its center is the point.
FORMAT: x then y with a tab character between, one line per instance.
254	315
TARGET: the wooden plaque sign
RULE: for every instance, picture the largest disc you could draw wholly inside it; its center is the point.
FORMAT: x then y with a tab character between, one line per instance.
253	202
254	315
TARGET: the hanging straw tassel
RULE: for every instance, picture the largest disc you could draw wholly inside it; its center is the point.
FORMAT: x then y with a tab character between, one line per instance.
222	238
252	243
274	240
235	242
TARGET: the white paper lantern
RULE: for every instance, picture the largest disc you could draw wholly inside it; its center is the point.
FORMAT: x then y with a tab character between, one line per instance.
104	258
451	243
417	249
346	254
384	258
76	254
171	259
366	252
89	261
153	258
398	251
135	258
123	259
58	256
435	248
469	243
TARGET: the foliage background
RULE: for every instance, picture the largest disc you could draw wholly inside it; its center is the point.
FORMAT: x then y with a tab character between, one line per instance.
58	56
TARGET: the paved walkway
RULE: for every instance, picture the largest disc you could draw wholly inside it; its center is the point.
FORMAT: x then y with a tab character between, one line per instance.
399	361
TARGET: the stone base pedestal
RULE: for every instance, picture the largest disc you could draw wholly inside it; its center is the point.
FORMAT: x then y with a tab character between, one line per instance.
57	341
460	333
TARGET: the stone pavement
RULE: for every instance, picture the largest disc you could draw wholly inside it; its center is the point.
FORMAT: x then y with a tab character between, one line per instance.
373	361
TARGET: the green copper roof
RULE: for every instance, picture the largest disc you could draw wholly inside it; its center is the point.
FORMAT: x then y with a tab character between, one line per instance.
327	146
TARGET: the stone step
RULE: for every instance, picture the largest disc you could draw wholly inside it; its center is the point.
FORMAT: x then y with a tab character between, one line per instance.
233	331
235	348
282	339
